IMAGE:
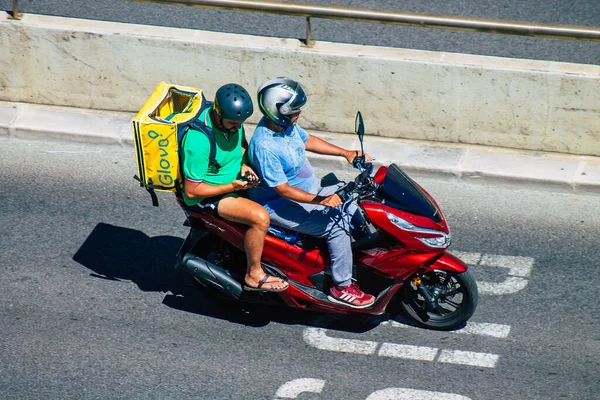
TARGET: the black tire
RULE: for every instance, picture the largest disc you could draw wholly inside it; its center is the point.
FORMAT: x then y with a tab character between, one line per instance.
457	294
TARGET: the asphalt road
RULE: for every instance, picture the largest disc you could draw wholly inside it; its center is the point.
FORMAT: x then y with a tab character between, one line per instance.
579	12
91	309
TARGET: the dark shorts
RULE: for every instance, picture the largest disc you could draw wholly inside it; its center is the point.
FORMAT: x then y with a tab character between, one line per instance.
212	203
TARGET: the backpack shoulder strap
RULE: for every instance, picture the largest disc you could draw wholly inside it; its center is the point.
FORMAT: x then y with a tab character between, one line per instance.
208	132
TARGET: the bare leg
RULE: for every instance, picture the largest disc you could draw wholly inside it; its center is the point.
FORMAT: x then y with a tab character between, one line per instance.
247	212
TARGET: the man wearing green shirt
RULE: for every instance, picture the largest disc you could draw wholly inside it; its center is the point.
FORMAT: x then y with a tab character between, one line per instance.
218	188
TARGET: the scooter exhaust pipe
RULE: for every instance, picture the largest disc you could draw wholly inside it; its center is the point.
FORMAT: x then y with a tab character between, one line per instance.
212	275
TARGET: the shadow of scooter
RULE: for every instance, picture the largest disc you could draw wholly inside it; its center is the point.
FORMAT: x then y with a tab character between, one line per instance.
116	253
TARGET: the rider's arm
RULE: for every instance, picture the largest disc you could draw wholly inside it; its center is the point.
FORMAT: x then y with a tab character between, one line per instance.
301	196
195	190
320	146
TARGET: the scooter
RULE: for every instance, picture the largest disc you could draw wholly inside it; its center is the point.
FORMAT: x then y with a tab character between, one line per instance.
400	258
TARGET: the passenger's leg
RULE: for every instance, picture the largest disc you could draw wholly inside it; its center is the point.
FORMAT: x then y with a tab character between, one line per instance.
314	220
247	212
354	217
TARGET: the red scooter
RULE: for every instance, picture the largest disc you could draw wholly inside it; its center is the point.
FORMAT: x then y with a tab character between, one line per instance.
400	257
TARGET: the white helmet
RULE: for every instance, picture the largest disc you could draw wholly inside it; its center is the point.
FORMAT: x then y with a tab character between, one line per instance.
279	98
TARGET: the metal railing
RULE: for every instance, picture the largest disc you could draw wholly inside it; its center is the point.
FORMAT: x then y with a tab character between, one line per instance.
386	17
394	17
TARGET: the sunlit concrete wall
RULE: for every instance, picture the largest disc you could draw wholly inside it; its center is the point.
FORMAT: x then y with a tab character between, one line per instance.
447	97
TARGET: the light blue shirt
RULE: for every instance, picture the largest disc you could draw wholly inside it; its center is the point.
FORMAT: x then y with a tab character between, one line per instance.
278	158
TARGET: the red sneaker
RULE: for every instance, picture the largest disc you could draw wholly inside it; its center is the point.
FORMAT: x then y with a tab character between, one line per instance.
351	296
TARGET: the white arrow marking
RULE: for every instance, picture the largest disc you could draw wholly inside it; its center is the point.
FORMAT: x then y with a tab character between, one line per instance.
469	358
412	394
317	337
472	328
292	389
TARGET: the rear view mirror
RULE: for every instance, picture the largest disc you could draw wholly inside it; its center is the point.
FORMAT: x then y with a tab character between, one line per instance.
359	126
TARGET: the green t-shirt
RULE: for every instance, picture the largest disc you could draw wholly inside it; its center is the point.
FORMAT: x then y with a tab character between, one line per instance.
196	152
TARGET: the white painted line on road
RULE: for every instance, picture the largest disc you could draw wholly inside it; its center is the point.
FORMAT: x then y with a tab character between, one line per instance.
469	358
317	337
408	351
510	285
486	329
292	389
472	328
517	266
413	394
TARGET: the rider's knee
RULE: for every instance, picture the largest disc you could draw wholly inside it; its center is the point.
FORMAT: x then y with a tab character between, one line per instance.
260	218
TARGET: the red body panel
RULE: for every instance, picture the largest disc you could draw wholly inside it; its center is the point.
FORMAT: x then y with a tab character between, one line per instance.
394	260
448	262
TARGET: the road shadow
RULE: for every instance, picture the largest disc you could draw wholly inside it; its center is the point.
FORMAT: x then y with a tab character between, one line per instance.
116	253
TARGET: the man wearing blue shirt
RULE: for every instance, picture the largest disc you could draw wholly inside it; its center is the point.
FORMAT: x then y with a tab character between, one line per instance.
289	189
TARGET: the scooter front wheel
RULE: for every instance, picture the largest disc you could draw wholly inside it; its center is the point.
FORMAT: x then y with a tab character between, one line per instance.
442	300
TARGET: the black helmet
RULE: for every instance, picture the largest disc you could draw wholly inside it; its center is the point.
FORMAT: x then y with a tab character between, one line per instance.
233	102
279	98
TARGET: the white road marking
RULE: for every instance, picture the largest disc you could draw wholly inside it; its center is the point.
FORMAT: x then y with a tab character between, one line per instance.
519	268
408	352
486	329
413	394
469	358
510	285
317	337
472	328
292	389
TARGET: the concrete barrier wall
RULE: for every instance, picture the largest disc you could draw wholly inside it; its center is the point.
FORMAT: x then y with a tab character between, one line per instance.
447	97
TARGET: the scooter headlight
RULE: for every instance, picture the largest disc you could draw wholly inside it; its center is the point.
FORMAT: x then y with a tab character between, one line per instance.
440	241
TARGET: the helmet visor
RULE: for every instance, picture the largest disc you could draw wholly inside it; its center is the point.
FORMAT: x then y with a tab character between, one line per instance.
296	104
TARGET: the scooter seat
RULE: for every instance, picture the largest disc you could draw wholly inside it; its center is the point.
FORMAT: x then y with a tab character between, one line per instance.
289	236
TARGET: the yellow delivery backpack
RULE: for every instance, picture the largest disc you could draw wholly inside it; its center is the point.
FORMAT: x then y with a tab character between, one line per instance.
159	128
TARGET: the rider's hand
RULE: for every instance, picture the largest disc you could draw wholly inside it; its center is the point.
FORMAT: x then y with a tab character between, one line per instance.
331	201
249	176
240	185
352	154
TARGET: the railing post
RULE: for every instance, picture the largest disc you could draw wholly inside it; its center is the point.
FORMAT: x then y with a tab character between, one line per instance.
309	41
15	11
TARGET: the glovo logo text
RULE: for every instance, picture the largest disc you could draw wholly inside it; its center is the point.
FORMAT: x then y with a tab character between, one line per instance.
165	176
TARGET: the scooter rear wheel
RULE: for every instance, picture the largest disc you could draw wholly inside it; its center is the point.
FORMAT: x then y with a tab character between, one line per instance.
452	299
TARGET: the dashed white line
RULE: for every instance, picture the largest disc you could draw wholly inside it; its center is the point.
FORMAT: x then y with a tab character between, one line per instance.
469	358
408	352
317	337
472	328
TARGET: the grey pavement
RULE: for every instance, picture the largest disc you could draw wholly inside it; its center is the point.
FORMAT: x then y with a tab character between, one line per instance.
571	172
